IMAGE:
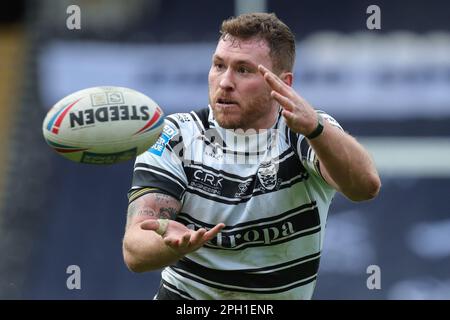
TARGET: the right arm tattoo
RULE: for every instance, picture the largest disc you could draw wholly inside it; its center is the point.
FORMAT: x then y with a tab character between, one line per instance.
169	206
154	205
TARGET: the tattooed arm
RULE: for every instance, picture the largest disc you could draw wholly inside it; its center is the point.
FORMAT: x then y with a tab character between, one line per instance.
144	249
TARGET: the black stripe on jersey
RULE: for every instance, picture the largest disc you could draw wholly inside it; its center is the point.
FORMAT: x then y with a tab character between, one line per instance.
175	293
186	219
198	122
203	115
222	187
141	165
293	139
217	172
287	226
304	148
145	175
208	194
247	290
173	122
283	277
175	140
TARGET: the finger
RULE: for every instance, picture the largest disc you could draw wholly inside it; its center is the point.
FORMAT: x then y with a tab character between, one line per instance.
262	69
150	224
285	102
171	242
197	236
266	72
184	242
289	116
213	232
276	83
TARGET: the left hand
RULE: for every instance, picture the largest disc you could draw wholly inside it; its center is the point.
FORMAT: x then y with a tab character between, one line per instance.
300	116
181	239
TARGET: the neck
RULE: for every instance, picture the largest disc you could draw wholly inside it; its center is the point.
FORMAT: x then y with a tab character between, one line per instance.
267	122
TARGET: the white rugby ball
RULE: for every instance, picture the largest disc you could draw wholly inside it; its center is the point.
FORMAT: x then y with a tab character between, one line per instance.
103	125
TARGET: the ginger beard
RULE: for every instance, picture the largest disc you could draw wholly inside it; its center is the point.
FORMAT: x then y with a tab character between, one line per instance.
244	114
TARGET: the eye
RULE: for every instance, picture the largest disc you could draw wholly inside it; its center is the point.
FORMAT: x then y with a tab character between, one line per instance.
243	70
218	66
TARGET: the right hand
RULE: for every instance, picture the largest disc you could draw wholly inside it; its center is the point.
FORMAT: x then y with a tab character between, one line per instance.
182	239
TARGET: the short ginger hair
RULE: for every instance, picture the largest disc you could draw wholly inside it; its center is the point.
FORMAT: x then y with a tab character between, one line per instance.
268	27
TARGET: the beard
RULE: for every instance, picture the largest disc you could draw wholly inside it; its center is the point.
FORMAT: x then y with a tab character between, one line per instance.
248	114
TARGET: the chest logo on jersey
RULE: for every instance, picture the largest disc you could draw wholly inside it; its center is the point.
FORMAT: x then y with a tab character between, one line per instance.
207	182
242	189
214	152
267	176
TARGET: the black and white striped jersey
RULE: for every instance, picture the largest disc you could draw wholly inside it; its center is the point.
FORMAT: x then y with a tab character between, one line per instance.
267	189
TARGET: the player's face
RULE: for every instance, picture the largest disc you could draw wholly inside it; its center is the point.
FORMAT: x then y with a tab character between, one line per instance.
238	94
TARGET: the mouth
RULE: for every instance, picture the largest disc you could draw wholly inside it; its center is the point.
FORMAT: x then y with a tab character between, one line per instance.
226	103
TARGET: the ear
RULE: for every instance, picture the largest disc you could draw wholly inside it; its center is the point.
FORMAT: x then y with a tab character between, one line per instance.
287	77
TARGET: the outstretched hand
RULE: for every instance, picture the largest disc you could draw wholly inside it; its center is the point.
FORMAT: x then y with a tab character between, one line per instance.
182	239
299	114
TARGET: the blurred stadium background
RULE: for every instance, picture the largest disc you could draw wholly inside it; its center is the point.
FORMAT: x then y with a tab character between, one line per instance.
390	88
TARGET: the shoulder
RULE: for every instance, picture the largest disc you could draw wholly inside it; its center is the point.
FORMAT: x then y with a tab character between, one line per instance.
181	128
189	119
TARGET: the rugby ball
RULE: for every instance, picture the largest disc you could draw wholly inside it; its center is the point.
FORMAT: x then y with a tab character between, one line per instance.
103	125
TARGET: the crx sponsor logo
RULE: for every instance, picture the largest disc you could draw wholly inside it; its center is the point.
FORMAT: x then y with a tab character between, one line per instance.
207	182
208	178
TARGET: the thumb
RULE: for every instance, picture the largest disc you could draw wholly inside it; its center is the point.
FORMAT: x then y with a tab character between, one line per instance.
151	224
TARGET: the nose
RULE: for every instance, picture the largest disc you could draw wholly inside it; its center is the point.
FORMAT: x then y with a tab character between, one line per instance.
226	81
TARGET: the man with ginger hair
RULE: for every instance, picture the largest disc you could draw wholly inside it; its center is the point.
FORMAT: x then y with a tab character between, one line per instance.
243	220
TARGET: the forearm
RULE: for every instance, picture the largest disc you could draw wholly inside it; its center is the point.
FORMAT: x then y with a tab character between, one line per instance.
145	250
347	163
